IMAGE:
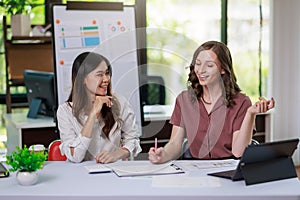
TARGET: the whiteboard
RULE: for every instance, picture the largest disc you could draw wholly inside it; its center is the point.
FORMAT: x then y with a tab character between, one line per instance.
109	33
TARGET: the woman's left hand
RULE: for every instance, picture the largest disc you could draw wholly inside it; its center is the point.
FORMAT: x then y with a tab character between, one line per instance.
262	106
106	157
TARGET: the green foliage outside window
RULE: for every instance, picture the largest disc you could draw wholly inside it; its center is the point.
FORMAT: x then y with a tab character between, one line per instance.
245	67
37	16
13	7
243	32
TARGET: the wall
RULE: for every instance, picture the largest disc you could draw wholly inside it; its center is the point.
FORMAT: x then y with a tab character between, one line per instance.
285	65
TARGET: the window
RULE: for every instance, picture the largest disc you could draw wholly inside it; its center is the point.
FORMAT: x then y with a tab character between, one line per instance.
244	36
177	28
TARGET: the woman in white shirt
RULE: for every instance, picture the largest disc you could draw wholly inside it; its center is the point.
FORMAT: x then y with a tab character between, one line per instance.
94	123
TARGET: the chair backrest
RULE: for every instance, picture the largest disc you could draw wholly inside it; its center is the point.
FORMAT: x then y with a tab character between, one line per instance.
54	153
254	142
185	151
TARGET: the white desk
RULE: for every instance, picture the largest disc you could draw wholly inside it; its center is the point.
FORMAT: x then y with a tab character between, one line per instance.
22	130
64	180
157	112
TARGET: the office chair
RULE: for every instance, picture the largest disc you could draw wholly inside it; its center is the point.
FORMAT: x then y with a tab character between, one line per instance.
254	142
153	91
185	151
54	153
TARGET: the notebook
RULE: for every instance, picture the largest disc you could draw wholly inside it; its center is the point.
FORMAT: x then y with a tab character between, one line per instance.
98	168
264	162
146	169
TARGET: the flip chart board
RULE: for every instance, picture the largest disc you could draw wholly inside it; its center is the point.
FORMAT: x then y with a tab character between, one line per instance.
110	32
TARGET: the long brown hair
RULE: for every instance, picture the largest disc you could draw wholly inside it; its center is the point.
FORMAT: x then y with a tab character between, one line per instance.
84	64
229	78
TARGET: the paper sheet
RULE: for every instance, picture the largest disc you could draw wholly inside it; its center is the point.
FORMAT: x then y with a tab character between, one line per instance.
146	169
208	164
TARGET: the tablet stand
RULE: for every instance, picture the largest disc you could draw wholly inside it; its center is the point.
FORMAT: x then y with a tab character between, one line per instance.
270	170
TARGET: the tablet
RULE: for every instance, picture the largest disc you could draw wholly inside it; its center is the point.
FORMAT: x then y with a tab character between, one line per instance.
262	162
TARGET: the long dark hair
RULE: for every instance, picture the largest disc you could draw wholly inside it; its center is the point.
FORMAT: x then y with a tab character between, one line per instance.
84	64
229	78
76	65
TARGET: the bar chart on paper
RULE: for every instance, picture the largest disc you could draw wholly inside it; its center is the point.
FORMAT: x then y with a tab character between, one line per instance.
79	37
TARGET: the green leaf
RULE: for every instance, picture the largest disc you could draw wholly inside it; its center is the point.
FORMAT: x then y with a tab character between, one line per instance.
13	7
26	160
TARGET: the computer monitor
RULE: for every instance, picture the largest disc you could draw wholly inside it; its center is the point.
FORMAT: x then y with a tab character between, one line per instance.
40	93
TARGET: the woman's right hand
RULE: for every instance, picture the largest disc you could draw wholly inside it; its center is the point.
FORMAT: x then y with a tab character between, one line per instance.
99	102
156	156
94	114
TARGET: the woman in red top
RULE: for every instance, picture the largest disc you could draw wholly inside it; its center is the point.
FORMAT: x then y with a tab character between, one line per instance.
213	114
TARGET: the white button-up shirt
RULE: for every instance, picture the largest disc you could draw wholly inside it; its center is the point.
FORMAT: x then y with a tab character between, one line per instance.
127	135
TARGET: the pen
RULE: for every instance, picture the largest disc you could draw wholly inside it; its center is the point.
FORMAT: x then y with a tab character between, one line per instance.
155	144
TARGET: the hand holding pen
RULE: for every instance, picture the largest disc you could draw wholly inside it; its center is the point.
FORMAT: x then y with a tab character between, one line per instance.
156	154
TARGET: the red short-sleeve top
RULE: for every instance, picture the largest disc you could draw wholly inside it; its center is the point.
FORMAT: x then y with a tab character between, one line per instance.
209	134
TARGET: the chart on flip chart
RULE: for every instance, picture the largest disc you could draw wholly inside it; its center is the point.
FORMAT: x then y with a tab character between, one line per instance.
110	33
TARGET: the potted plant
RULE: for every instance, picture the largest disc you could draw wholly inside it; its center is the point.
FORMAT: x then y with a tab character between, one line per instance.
26	163
19	11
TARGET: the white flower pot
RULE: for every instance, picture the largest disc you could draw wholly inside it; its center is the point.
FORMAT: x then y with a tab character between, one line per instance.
27	178
20	25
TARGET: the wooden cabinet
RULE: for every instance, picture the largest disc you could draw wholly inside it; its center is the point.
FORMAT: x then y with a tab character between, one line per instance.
24	52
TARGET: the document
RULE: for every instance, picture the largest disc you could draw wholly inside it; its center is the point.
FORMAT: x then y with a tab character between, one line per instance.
98	168
146	169
208	164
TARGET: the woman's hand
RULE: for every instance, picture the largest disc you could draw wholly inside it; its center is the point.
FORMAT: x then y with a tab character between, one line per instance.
94	114
106	157
262	106
99	102
156	156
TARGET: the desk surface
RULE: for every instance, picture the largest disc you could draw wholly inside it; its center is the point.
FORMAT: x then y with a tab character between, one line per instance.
64	180
20	120
157	112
